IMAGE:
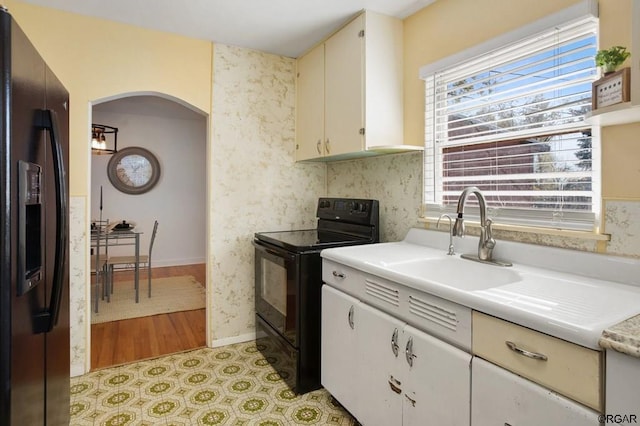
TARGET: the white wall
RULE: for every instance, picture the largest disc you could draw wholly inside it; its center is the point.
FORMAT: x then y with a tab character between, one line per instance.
178	200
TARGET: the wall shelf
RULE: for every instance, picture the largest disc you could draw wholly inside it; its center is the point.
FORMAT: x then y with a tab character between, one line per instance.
626	112
622	113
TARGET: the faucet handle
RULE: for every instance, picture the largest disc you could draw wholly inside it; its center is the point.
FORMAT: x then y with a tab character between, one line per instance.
490	243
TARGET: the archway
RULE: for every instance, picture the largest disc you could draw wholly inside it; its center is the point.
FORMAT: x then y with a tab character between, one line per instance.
176	133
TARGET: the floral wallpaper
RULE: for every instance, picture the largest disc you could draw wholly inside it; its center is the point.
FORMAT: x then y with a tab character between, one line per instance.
394	180
78	288
621	222
256	184
256	179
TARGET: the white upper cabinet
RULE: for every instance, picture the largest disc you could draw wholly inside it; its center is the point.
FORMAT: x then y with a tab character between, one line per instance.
349	92
310	105
343	91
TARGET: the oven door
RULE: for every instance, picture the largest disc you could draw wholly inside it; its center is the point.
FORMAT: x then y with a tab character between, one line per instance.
277	273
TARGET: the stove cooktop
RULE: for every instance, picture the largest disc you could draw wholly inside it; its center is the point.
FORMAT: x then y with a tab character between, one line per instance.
341	222
309	239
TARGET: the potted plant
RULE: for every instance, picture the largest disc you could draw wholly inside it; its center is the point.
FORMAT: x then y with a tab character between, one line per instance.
610	59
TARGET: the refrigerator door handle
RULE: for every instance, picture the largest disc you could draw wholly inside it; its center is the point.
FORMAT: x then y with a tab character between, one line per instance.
49	318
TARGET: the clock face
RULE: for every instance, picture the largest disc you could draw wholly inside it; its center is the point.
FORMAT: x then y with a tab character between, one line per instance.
133	170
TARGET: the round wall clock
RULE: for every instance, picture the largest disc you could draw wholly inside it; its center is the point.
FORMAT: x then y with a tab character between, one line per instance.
133	170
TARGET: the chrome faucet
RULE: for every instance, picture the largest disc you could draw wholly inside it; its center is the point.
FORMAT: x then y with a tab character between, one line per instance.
486	243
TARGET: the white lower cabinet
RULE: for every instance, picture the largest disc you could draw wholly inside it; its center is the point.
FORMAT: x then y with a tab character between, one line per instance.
386	372
339	363
381	374
437	387
501	398
623	389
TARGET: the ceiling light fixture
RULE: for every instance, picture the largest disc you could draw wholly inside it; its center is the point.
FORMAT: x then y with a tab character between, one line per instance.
100	141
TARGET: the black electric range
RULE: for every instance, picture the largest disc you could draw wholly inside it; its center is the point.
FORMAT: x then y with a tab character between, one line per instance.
288	278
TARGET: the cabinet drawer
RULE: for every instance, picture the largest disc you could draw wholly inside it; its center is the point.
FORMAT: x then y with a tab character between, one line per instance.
344	278
499	397
568	369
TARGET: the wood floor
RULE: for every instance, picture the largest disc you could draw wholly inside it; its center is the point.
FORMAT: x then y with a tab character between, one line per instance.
119	342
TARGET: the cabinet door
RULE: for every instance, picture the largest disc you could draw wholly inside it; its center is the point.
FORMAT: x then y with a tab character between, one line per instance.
436	389
310	105
623	388
379	339
344	89
339	363
384	118
500	397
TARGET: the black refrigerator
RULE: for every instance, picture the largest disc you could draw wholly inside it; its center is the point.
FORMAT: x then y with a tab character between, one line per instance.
34	273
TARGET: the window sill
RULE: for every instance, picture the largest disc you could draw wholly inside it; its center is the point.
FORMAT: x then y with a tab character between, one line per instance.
583	235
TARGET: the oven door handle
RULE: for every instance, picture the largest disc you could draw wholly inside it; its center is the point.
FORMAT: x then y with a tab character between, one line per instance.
275	254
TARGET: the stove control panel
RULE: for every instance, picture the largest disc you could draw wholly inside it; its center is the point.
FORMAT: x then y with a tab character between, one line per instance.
353	210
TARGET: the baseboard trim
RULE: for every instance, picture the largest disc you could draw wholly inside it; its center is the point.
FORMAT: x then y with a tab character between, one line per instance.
177	262
231	340
77	370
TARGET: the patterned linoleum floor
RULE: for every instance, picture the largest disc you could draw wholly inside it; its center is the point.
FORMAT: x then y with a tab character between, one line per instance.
231	385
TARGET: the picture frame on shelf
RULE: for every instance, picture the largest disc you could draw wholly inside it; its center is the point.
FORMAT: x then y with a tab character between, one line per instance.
611	89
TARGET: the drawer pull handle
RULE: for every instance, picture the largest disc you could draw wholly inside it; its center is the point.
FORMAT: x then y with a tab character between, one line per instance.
394	342
408	352
395	388
350	318
525	352
338	274
412	401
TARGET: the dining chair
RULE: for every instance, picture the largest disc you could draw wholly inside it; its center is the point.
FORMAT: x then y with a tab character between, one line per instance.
98	259
129	262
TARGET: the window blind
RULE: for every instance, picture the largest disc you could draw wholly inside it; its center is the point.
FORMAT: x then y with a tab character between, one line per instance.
511	122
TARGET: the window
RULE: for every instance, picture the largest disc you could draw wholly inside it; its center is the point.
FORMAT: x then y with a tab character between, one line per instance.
511	122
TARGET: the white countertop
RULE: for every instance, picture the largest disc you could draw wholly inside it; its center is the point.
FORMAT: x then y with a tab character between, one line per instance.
578	296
